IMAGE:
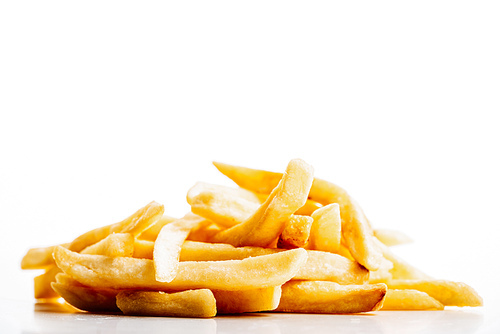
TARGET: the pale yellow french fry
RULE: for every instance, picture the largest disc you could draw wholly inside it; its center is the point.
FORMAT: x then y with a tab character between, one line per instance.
296	232
319	265
222	205
39	258
257	300
135	224
391	237
264	227
198	303
132	273
448	293
168	246
42	288
151	233
400	269
85	298
326	229
410	300
356	229
330	297
383	273
115	244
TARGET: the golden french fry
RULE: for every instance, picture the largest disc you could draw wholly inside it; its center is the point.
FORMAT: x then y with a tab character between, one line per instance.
83	297
115	244
42	287
356	229
256	300
151	233
330	297
264	227
135	224
215	190
168	246
326	229
296	232
391	237
410	300
131	273
39	258
190	303
448	293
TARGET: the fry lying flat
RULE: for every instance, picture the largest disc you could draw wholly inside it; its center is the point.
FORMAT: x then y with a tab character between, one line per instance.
130	273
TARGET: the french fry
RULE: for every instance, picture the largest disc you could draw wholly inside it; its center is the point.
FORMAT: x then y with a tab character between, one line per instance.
296	232
410	300
135	224
264	227
42	288
391	237
85	298
168	246
326	229
204	232
115	244
39	258
329	297
190	303
448	293
356	229
130	273
257	300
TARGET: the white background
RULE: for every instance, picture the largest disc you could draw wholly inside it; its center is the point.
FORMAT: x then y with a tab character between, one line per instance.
106	106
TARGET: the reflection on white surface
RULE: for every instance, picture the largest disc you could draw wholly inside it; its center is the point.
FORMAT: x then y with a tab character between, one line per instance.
27	318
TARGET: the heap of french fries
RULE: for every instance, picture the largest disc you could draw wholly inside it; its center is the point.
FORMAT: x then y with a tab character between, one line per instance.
279	242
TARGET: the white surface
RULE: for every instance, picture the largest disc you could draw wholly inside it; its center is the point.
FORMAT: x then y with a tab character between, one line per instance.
105	106
25	318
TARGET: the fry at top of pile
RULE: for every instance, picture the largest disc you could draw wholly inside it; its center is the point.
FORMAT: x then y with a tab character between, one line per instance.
280	242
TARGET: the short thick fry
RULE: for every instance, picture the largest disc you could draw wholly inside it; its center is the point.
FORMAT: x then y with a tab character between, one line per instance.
115	244
296	232
168	246
190	303
356	229
85	298
329	297
326	229
135	224
257	300
131	273
410	300
264	227
448	293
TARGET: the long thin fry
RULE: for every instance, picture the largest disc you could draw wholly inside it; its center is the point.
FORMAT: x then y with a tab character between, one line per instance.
131	273
264	227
